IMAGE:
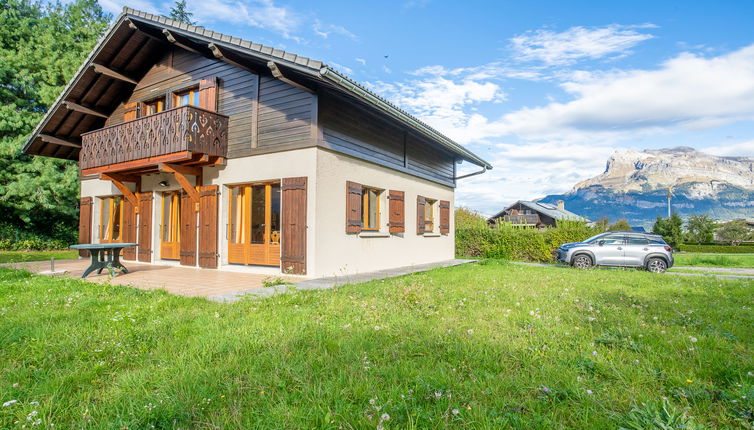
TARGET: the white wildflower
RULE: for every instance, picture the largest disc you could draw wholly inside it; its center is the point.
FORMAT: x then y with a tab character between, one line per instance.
10	402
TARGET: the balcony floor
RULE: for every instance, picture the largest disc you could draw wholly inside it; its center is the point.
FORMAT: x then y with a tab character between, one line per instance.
183	281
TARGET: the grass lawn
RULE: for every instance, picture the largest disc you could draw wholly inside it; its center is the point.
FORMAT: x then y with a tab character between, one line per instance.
22	256
714	260
490	345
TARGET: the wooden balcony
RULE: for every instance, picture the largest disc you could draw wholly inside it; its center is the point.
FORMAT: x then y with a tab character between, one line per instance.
184	132
521	219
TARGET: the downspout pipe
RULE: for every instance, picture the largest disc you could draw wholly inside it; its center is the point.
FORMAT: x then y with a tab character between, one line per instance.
484	169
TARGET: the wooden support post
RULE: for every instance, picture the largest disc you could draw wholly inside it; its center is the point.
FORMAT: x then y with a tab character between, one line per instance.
118	180
180	173
104	70
83	109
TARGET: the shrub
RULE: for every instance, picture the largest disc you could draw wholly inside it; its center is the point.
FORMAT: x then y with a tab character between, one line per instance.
14	239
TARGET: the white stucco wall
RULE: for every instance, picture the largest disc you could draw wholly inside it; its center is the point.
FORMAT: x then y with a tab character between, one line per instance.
339	254
330	251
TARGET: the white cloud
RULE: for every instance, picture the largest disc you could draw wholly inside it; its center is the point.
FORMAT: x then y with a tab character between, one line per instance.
324	30
361	61
738	149
115	7
577	43
345	69
264	14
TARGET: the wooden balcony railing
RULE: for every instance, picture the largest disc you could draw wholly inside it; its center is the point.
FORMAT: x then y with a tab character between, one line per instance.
187	128
521	219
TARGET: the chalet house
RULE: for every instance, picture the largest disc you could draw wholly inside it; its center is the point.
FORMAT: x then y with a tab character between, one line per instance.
215	152
535	214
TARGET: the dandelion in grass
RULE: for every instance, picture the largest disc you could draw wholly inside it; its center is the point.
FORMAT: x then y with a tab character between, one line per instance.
689	381
692	339
470	332
455	411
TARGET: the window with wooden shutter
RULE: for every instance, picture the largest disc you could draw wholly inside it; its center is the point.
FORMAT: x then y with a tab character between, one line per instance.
129	229
85	223
396	204
293	237
420	208
188	231
208	226
130	111
444	217
208	94
145	227
353	207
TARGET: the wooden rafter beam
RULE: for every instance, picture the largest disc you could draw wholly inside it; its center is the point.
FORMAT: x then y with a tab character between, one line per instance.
171	38
278	74
58	141
83	109
104	70
118	180
180	173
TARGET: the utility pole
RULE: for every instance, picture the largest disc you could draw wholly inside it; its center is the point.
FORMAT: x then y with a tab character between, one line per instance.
670	195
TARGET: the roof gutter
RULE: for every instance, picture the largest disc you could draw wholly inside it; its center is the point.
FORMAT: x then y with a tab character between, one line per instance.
361	92
484	169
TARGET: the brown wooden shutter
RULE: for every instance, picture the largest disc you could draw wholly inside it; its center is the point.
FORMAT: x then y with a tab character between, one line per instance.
208	94
396	217
85	223
293	237
444	217
208	226
129	229
145	227
188	231
354	222
129	111
420	202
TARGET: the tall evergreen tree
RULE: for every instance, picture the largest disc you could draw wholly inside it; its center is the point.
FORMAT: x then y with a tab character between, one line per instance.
41	47
179	12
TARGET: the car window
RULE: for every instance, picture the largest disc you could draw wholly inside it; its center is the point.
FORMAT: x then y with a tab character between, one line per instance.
613	239
657	242
636	240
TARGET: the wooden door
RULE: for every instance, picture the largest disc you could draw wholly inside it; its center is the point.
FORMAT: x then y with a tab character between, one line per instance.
85	223
170	226
145	227
293	258
129	229
188	231
208	226
254	230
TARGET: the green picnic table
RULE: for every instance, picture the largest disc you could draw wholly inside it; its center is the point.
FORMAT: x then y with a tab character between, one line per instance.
103	255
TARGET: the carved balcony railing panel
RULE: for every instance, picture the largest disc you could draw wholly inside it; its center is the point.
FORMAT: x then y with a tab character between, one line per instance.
187	128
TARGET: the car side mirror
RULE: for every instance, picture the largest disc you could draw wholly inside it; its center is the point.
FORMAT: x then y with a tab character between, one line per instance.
601	242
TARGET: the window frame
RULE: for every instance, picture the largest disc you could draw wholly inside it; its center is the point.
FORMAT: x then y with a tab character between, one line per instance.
104	236
429	207
155	101
365	208
191	90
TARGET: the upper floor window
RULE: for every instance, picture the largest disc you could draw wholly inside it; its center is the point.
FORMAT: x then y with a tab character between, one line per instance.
154	106
370	208
186	97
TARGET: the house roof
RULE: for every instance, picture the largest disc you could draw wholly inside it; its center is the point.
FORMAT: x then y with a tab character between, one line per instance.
129	48
548	209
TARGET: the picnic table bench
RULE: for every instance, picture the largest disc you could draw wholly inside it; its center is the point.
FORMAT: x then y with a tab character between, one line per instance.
103	255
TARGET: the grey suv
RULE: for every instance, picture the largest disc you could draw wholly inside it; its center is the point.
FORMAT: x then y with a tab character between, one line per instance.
619	248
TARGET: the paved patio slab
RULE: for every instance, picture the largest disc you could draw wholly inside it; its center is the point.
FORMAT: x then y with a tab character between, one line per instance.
329	282
183	281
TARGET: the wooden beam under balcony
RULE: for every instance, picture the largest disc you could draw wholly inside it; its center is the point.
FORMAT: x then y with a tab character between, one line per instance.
118	180
175	157
104	70
83	109
58	141
180	173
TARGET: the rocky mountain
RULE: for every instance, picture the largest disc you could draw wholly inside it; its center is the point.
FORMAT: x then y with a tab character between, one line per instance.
634	186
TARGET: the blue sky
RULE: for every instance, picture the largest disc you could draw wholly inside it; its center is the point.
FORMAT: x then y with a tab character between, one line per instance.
545	90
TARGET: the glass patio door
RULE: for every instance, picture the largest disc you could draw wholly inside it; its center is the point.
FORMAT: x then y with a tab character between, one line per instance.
170	226
254	224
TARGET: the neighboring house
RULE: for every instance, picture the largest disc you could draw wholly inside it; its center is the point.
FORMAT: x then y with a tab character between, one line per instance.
535	214
212	151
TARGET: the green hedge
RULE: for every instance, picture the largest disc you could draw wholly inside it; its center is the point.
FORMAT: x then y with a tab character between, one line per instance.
475	239
718	249
14	239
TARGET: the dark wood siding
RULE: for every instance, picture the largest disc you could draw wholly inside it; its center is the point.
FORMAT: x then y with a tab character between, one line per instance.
285	114
237	92
293	253
350	129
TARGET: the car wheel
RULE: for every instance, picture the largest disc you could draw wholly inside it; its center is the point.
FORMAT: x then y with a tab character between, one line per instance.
582	261
657	265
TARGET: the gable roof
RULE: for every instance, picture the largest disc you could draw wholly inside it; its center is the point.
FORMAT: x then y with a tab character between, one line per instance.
548	209
128	48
